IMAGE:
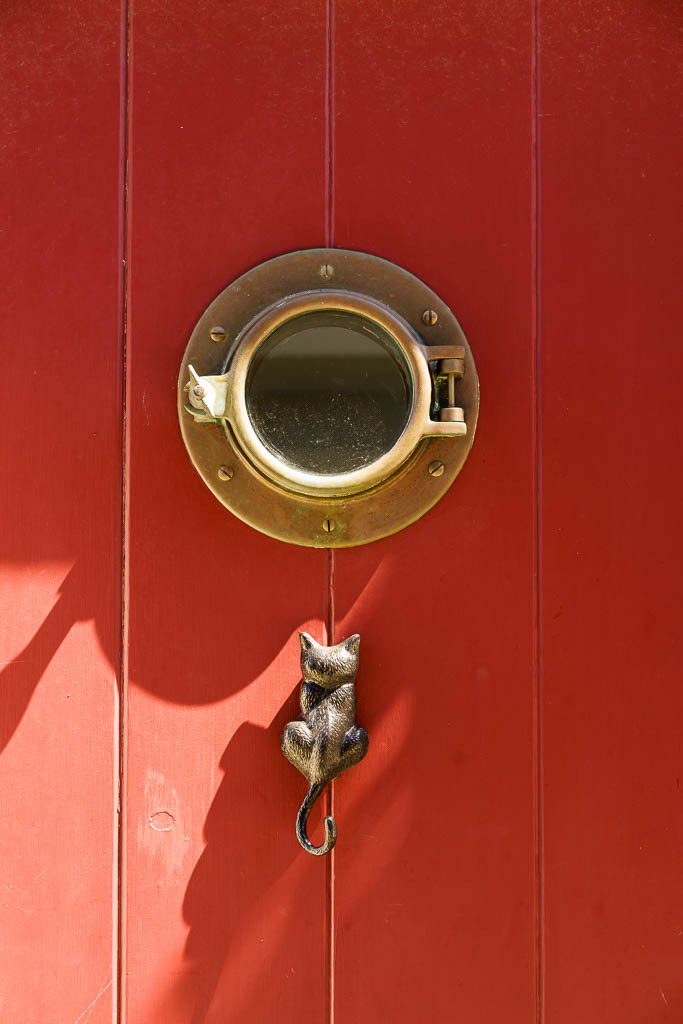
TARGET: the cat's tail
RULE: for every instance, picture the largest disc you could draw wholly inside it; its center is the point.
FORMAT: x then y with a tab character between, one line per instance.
302	820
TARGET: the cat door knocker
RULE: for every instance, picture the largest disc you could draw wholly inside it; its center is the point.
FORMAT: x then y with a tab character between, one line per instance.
328	398
325	741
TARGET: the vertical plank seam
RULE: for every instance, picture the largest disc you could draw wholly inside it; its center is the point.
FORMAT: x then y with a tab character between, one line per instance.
329	563
119	1001
539	887
330	861
329	125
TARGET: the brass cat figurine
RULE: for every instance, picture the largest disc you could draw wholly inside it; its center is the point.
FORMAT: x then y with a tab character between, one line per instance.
325	741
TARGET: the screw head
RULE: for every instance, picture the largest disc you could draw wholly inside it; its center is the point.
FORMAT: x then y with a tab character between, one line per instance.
329	525
198	391
430	317
326	271
217	334
226	473
436	468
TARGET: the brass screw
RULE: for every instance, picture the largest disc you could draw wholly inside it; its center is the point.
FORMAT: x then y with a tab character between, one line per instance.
226	473
329	525
217	334
436	468
326	271
198	391
430	317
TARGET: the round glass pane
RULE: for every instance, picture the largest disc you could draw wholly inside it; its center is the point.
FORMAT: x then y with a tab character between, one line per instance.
328	392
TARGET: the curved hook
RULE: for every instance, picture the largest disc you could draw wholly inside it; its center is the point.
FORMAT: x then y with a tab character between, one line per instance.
302	820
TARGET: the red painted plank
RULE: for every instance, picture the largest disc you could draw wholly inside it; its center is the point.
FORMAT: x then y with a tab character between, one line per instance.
612	509
225	915
60	509
434	872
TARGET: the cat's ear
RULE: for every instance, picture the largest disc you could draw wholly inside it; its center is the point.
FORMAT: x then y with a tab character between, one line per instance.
306	642
352	644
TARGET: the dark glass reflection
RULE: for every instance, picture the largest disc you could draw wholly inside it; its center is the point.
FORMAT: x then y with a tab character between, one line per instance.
328	392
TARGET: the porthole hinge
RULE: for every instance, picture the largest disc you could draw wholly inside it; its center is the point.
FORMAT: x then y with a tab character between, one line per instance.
447	364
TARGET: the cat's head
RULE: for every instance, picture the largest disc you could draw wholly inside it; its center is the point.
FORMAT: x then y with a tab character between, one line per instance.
329	666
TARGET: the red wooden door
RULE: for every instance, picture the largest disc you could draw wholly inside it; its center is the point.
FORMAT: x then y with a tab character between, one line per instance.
511	847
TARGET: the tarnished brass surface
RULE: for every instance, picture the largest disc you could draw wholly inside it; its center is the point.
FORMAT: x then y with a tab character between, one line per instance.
325	741
291	504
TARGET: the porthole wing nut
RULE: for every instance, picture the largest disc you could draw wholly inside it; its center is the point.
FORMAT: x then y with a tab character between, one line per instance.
208	396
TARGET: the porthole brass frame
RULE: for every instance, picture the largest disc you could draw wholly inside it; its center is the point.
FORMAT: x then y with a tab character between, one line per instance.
288	503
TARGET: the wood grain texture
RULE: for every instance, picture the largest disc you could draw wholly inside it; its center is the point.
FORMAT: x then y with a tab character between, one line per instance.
434	869
612	509
225	915
60	508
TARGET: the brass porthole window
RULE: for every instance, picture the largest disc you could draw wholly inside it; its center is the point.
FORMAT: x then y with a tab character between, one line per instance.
328	397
